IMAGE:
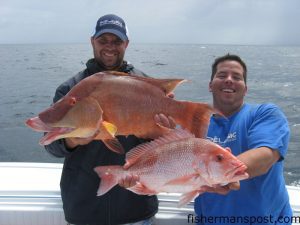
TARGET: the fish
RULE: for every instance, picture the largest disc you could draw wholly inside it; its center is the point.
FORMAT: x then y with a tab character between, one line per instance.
177	162
108	104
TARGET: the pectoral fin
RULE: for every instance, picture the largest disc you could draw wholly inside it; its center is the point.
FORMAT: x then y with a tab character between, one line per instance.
107	131
114	145
106	134
141	189
187	197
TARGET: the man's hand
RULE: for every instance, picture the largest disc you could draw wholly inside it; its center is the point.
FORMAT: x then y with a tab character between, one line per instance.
259	160
165	121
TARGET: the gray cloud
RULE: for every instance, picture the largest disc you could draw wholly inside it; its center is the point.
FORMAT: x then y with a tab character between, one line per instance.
167	21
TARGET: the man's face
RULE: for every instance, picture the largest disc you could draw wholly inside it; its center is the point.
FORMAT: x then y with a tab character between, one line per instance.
109	50
228	86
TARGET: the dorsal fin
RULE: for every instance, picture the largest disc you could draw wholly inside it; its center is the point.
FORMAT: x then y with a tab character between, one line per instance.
136	153
166	85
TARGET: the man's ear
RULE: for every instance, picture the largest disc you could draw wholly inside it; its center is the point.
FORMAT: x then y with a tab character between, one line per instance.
209	87
246	90
92	41
127	42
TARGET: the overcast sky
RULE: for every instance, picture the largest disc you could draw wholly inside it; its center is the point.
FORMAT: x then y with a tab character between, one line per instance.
154	21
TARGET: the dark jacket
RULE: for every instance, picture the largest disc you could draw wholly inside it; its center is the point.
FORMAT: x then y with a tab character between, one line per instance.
79	182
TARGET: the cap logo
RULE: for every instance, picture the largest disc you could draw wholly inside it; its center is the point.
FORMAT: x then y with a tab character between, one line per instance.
106	22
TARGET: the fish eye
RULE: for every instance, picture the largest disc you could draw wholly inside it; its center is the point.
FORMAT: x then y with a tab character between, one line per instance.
219	158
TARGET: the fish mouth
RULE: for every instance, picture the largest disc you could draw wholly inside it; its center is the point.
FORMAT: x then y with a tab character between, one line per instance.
37	124
53	133
237	173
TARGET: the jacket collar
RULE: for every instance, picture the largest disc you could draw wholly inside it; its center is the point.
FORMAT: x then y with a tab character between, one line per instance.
94	67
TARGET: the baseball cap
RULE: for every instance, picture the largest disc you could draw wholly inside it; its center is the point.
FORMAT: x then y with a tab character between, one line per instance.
111	23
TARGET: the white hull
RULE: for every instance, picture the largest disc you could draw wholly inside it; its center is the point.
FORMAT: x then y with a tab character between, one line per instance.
30	195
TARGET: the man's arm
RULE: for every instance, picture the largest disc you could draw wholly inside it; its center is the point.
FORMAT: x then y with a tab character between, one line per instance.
259	160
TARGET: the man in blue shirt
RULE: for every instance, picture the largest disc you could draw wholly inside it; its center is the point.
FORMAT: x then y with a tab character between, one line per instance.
258	135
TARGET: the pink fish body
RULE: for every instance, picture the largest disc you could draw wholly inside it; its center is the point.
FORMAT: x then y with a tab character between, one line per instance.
177	162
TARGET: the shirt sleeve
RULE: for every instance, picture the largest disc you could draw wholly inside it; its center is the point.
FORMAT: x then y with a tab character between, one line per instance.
269	129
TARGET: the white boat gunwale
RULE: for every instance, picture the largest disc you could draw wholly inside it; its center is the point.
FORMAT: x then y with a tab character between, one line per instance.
31	191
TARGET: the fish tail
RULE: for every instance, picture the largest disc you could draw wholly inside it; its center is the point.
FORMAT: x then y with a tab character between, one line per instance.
109	177
195	117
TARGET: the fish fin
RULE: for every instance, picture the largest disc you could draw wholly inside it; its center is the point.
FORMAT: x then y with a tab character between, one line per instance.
111	128
114	145
166	85
107	131
172	135
187	197
136	153
107	135
196	117
182	180
109	177
141	189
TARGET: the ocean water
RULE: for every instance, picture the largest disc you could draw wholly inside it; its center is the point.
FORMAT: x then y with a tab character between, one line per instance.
29	75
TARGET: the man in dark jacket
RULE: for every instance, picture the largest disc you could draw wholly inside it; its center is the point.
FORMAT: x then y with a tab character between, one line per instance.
79	182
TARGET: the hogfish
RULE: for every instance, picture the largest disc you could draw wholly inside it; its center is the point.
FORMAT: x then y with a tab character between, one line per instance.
116	103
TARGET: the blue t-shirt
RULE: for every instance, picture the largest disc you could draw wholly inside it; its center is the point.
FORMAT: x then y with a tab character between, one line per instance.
262	199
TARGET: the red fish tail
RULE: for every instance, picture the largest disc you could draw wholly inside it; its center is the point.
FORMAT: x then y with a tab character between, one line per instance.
195	117
109	177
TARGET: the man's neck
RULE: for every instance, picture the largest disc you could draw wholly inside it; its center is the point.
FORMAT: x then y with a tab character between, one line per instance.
228	111
95	67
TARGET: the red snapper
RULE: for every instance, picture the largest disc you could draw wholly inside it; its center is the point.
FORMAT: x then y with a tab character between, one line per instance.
177	162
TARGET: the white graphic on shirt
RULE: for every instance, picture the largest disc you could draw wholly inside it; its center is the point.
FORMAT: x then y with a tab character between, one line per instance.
230	138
